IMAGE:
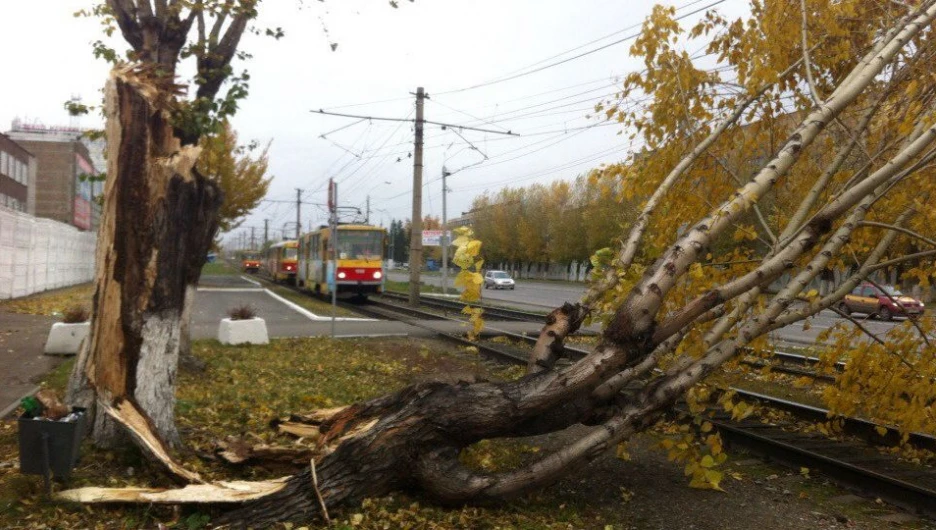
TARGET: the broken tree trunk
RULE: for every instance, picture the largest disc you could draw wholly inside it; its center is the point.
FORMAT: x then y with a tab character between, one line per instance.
158	221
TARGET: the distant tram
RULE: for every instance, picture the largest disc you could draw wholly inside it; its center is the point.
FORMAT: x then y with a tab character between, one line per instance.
281	261
359	260
249	261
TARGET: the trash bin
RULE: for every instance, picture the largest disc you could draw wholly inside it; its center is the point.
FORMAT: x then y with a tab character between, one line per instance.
50	447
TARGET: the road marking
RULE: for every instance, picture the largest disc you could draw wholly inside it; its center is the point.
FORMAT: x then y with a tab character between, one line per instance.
230	289
312	316
371	335
251	281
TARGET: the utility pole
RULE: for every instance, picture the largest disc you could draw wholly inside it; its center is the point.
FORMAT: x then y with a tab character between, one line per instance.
298	217
392	256
333	247
253	242
266	231
367	215
444	240
415	258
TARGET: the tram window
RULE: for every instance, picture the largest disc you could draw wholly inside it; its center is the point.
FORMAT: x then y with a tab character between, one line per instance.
290	253
359	244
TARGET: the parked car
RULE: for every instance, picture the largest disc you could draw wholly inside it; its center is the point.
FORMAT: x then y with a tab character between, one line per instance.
498	280
868	299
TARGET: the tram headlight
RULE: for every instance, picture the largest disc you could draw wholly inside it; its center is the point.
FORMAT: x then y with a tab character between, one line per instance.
341	275
378	275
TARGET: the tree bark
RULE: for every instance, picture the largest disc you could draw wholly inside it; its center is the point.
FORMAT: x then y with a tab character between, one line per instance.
157	225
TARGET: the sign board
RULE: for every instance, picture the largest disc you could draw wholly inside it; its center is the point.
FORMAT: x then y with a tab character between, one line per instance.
433	238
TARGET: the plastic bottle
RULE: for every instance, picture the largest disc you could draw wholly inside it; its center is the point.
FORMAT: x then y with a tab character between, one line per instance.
31	407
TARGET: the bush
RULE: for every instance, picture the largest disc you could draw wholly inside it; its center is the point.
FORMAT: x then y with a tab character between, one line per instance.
76	314
243	312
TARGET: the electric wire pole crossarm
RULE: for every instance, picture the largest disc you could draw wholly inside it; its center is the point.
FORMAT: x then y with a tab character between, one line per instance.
443	125
416	232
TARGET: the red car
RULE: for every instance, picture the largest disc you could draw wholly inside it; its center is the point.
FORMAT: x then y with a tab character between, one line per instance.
868	299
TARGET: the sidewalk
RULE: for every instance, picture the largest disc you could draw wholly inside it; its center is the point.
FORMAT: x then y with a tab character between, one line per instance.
22	340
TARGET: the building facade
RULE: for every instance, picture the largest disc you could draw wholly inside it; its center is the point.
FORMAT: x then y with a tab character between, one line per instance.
64	191
17	176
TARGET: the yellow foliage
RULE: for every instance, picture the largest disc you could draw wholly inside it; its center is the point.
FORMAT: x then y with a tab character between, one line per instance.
240	176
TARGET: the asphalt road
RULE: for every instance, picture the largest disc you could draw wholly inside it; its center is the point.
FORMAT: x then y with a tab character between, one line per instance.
544	295
550	295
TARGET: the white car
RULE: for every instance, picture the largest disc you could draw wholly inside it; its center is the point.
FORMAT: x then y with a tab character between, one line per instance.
498	280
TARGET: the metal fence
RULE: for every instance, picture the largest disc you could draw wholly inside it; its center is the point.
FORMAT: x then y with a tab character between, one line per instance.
41	254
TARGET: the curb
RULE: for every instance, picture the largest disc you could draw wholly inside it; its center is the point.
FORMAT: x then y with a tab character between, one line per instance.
10	408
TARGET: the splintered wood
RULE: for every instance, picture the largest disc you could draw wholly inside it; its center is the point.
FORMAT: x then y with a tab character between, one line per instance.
218	492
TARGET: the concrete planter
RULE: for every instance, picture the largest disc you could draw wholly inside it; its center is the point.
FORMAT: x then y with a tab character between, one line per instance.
251	331
65	339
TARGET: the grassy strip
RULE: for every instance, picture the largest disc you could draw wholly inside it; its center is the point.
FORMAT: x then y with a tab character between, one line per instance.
319	307
403	287
219	267
51	302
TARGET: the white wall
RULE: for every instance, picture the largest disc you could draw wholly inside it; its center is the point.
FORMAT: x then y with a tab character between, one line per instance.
41	254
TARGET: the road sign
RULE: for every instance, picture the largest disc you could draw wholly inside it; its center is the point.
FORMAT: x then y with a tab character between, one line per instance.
433	238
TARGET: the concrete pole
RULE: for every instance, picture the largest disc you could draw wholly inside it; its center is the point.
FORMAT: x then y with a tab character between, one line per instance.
415	258
444	240
298	216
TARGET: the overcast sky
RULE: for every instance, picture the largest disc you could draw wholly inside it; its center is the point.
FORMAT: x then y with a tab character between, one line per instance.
447	46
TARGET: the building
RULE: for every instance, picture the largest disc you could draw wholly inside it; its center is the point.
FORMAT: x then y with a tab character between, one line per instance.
17	176
63	190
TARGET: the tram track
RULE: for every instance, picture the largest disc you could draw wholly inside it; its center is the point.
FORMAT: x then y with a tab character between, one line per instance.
853	464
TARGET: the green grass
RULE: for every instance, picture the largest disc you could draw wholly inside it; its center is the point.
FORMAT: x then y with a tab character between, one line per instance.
219	267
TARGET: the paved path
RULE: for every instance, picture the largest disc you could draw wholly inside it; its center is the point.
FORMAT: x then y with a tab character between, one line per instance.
536	294
22	340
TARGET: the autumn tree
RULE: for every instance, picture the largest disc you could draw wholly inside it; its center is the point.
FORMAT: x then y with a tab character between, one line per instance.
851	174
560	223
240	176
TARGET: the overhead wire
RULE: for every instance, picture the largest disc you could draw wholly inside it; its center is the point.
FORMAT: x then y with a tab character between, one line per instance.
574	57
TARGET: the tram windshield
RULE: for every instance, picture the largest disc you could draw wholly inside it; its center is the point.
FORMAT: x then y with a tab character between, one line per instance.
360	244
290	253
250	256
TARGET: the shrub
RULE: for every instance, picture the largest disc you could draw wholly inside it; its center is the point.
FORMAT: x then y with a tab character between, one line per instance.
76	314
242	312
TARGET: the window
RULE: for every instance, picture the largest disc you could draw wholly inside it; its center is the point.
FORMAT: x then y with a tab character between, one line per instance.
290	253
360	244
4	163
891	291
